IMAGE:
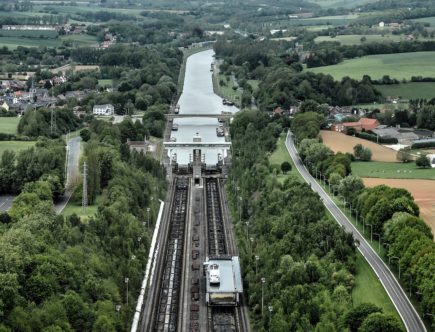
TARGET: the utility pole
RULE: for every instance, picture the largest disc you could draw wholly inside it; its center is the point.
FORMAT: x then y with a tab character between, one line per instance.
51	122
85	188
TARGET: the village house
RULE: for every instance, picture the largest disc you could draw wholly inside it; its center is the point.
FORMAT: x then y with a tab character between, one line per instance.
106	110
363	124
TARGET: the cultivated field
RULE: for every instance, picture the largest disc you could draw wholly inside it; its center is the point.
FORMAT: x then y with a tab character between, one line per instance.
400	66
422	190
356	39
75	68
9	125
339	142
412	90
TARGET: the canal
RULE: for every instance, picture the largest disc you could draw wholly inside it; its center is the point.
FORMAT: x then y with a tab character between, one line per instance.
198	98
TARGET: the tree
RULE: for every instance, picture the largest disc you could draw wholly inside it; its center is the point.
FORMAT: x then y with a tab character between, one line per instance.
357	150
85	134
366	155
403	156
286	167
357	315
422	161
378	322
350	186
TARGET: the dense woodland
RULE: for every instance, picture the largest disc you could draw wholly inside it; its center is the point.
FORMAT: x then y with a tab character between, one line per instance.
67	274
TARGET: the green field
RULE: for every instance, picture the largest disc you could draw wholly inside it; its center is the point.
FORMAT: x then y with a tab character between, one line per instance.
430	20
29	33
399	66
356	39
14	146
226	91
71	208
279	156
411	90
368	289
341	3
9	125
105	82
378	169
14	42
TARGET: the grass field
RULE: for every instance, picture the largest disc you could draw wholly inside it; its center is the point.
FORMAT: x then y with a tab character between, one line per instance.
400	66
29	33
341	3
356	39
77	40
279	156
226	91
391	170
368	289
9	125
15	146
105	82
411	90
339	142
71	208
389	106
430	20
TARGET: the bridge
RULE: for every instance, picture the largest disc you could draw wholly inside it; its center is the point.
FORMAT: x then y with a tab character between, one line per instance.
226	145
216	116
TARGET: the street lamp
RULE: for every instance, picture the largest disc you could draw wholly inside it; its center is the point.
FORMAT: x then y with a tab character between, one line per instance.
371	232
240	208
126	280
270	315
263	280
247	231
148	214
257	258
251	245
410	283
379	235
117	308
398	260
364	224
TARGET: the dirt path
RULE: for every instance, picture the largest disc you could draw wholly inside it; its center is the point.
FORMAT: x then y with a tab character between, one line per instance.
343	143
422	190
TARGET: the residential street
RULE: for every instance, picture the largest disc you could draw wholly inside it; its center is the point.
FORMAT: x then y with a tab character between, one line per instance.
407	312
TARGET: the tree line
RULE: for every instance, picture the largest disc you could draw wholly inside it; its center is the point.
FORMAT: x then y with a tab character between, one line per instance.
391	213
285	237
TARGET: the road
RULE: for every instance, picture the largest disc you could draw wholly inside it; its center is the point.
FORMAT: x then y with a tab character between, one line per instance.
72	172
404	307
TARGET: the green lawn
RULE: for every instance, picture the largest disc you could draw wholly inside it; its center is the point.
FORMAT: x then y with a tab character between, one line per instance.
29	33
341	3
402	65
79	40
411	90
368	288
14	42
389	106
14	146
71	208
430	20
105	82
9	125
254	84
279	156
378	169
356	39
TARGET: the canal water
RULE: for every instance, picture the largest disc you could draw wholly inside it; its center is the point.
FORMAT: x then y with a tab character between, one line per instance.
198	98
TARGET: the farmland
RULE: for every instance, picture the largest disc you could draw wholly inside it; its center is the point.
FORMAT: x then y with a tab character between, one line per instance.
422	190
356	39
14	42
411	90
343	143
9	125
392	170
399	66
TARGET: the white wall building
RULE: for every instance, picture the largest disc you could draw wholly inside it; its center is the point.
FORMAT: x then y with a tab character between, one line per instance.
107	109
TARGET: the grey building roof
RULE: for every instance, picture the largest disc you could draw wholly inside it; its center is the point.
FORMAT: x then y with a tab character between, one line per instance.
230	276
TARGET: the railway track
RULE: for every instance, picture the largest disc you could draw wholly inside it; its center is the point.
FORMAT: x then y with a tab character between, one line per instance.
220	319
166	318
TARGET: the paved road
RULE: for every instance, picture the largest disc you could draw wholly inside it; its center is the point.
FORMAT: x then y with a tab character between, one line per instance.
73	150
409	316
6	202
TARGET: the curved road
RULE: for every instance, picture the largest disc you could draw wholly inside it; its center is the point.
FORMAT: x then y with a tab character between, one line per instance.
404	307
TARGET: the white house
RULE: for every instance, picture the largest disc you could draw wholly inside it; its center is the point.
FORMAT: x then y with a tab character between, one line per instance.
106	109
